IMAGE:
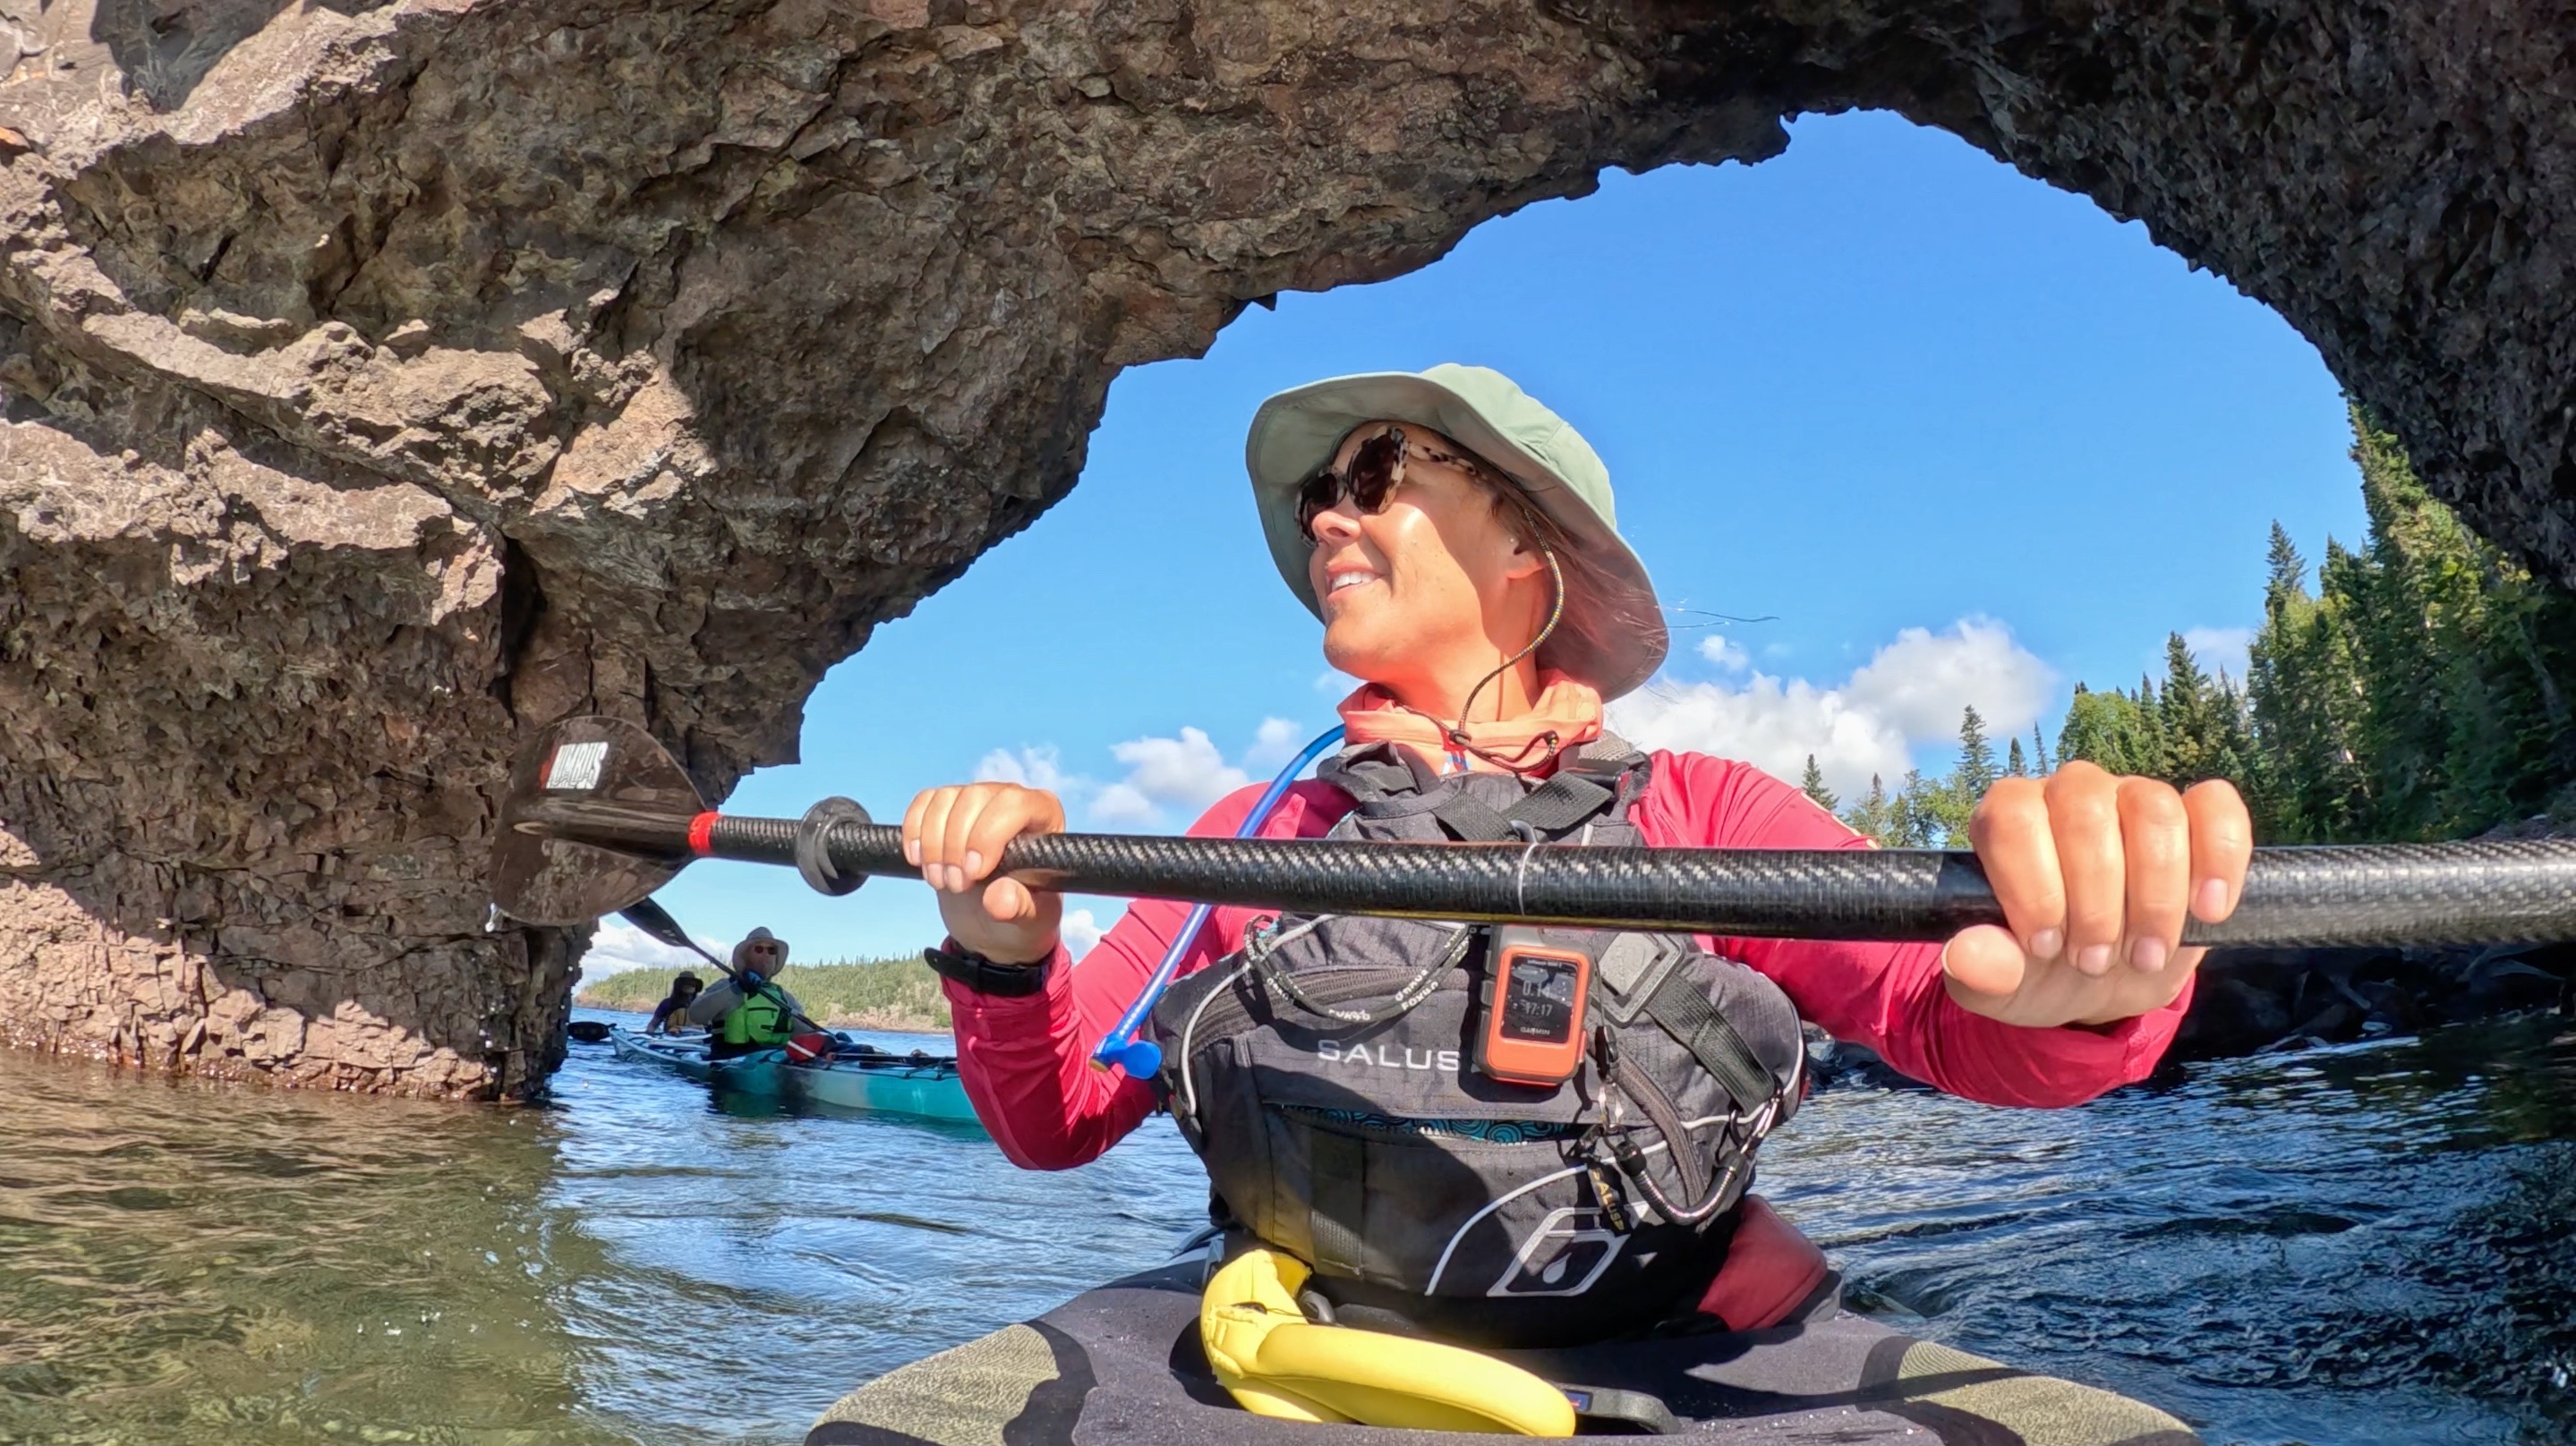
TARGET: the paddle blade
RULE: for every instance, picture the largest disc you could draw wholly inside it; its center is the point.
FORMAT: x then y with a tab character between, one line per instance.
628	793
657	922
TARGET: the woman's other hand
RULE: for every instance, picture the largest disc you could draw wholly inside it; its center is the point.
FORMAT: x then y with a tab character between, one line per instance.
955	835
2097	875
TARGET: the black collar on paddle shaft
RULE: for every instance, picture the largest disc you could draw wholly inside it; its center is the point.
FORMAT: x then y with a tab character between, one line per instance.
599	816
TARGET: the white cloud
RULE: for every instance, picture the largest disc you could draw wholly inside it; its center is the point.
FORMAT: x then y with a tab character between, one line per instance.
2219	649
1123	803
1165	777
1185	773
1768	723
618	946
1273	744
1081	930
1723	651
1920	682
1909	693
1038	767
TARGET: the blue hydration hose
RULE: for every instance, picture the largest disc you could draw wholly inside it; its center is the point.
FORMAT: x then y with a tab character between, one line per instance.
1141	1058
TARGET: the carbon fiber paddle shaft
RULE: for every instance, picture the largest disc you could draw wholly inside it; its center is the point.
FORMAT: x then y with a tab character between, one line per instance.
2452	893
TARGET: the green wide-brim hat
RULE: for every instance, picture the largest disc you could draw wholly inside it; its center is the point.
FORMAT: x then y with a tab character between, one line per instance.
1296	433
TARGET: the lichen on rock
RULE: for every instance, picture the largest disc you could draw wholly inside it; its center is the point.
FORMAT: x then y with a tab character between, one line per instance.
380	382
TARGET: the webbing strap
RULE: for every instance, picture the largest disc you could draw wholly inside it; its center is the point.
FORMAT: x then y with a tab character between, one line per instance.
1337	1190
1469	821
1562	803
1555	807
1681	1006
1371	779
1638	1409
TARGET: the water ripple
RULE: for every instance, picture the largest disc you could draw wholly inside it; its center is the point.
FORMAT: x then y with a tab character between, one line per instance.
2349	1246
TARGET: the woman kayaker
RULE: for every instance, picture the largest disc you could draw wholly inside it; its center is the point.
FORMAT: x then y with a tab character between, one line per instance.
1458	542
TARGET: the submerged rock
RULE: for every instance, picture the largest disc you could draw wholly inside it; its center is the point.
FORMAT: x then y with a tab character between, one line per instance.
381	381
2253	1000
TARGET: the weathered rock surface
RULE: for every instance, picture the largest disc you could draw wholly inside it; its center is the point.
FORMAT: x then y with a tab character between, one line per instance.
382	381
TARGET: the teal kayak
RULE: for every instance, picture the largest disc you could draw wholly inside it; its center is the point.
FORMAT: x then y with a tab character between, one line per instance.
856	1077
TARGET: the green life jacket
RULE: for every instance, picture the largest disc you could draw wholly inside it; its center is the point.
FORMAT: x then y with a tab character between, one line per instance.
758	1020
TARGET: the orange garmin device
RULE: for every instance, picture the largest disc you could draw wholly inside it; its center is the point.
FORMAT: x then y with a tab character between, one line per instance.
1533	996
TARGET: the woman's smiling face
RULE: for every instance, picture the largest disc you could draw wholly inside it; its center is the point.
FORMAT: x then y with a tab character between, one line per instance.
1424	583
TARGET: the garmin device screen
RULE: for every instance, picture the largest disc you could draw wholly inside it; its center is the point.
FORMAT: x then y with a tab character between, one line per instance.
1533	995
1538	999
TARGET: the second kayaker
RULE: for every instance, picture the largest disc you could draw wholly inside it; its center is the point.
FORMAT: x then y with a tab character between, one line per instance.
739	1015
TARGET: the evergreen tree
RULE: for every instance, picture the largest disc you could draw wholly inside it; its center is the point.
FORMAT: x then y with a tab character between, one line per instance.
1976	771
2237	759
2015	765
1914	815
2039	764
2422	690
1812	783
2528	764
2194	719
2425	687
2419	614
2289	571
2148	752
1870	815
2304	686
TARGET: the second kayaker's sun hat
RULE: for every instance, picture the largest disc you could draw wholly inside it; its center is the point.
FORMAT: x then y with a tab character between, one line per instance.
1613	635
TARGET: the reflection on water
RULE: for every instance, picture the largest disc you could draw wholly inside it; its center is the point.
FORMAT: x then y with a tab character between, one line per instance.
2356	1246
2365	1244
178	1263
190	1263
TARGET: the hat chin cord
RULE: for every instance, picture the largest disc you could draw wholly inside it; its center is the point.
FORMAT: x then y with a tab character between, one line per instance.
1456	733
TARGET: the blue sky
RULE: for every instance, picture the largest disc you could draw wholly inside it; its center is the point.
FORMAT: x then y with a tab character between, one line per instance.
1960	437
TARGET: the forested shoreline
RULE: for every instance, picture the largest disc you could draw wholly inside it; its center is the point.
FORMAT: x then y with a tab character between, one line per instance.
2420	691
899	994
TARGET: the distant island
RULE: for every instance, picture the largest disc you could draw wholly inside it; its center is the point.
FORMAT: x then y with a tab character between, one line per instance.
899	995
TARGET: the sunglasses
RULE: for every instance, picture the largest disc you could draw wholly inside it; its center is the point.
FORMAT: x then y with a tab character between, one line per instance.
1376	469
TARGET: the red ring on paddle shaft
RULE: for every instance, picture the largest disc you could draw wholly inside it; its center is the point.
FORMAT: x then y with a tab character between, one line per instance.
702	832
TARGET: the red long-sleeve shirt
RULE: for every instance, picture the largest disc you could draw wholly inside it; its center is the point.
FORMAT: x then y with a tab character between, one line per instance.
1026	1061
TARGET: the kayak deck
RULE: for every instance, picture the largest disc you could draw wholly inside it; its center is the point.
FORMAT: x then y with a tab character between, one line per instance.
1126	1360
860	1077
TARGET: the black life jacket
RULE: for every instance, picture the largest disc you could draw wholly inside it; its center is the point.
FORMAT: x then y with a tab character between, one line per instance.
1325	1074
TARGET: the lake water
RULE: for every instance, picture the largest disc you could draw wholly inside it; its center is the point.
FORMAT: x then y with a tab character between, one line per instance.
2340	1247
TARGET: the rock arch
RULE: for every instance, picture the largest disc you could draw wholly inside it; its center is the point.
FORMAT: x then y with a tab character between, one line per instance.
382	380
